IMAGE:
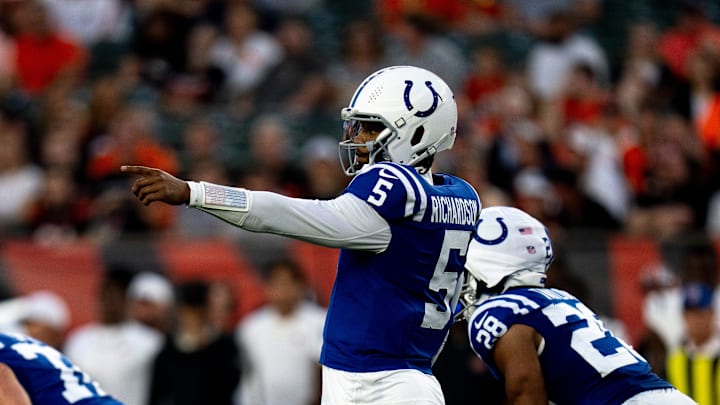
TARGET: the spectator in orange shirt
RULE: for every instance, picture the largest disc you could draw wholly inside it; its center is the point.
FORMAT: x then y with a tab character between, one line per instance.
691	31
43	55
583	99
130	136
487	76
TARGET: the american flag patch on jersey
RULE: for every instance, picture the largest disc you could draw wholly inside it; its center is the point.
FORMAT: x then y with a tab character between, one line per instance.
223	197
525	231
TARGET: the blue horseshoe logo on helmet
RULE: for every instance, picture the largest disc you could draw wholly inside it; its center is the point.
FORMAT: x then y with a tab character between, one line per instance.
408	104
496	241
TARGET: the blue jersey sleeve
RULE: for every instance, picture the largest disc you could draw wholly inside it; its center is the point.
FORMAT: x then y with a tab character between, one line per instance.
391	189
492	320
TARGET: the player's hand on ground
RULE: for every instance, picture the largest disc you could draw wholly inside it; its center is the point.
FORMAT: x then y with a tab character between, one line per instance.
157	185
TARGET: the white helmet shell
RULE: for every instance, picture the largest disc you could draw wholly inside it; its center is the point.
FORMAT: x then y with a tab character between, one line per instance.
508	242
417	109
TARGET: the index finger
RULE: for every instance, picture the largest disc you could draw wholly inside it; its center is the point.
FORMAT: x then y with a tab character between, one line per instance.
141	170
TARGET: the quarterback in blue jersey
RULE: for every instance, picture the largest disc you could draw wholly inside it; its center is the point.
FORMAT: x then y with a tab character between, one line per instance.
403	233
543	342
32	372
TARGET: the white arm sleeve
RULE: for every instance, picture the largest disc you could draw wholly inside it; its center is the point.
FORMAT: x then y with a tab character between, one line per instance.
344	222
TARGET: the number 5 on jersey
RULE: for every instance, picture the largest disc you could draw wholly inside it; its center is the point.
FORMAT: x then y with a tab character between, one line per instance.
444	283
379	192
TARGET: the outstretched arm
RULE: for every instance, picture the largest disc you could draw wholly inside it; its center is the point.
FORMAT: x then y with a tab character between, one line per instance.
516	356
11	392
344	222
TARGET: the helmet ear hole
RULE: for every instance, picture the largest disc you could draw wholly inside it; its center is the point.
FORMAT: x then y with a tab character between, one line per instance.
417	136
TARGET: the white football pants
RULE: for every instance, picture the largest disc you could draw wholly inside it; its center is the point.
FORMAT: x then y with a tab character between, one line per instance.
660	397
393	387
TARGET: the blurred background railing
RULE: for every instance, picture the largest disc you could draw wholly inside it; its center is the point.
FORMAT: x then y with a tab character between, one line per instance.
610	273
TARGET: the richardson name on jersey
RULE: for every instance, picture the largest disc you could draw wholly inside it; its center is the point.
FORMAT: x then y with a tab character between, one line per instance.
454	210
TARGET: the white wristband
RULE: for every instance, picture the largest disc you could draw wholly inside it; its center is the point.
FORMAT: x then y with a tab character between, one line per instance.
213	196
196	194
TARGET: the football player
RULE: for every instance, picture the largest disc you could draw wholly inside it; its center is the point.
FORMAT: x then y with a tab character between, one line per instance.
403	233
543	342
32	372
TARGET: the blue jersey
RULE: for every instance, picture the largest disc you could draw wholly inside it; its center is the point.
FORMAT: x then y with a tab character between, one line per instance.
582	362
49	377
393	310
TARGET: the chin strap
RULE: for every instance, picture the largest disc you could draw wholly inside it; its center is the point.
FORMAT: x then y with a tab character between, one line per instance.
429	151
475	291
524	278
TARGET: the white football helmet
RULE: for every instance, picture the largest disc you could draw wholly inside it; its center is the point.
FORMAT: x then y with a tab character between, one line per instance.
416	108
509	248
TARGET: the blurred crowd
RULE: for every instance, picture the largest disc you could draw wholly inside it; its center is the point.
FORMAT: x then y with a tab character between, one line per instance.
159	342
584	118
587	114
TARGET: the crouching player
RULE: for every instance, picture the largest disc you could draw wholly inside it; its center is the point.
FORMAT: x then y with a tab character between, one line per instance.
32	372
543	342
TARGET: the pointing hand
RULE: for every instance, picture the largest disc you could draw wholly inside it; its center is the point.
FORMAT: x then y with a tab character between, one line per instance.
157	185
